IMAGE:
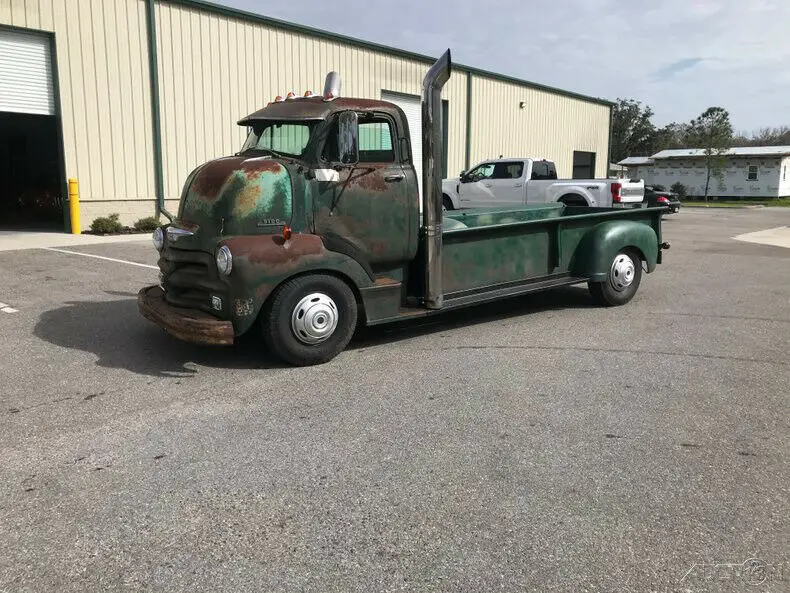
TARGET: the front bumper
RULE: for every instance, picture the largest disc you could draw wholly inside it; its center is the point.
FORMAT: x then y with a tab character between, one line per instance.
189	325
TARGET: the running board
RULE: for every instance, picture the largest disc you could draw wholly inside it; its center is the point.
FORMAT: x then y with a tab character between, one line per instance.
466	298
481	295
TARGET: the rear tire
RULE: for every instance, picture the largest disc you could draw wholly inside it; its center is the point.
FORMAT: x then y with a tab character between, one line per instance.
572	200
622	281
447	203
310	319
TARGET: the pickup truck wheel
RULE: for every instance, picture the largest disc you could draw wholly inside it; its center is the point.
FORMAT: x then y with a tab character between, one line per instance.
622	281
310	319
447	203
572	200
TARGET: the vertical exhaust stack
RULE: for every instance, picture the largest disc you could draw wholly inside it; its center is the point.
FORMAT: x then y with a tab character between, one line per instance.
332	86
432	153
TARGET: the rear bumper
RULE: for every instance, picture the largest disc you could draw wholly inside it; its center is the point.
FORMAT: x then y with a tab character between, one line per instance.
189	325
629	205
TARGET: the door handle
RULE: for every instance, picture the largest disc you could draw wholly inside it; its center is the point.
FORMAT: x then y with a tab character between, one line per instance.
394	177
516	185
487	184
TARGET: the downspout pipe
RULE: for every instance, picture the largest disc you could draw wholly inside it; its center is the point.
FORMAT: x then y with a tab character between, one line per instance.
153	70
432	152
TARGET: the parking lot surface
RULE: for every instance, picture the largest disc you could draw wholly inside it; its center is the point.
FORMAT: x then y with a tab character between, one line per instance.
538	444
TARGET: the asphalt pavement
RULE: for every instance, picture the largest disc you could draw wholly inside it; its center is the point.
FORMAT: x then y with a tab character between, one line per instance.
538	444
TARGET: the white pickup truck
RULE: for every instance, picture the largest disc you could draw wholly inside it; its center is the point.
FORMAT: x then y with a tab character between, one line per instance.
510	182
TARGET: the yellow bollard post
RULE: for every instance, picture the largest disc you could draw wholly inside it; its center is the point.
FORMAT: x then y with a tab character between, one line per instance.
74	206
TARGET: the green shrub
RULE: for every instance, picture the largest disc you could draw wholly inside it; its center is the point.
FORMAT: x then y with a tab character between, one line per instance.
679	189
146	224
107	224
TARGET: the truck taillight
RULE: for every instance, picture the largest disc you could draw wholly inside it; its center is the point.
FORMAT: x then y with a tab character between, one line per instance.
616	187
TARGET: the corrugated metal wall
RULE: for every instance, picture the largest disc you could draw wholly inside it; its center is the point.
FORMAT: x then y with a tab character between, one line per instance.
215	68
243	66
550	126
102	62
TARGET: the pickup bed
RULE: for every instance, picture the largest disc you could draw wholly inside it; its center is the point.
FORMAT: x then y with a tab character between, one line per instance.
511	182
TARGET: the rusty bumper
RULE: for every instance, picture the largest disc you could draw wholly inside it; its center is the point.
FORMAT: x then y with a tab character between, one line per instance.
185	324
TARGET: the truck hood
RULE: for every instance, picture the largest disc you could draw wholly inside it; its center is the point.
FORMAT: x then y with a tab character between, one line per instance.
236	196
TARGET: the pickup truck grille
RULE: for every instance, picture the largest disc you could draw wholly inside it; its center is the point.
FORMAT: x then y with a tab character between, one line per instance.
190	279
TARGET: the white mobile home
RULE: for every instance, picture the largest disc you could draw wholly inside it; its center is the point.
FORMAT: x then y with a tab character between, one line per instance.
749	172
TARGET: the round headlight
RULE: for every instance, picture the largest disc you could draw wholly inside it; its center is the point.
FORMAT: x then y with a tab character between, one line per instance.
158	238
224	260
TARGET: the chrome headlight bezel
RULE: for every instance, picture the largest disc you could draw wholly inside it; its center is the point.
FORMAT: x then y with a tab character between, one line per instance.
224	260
158	238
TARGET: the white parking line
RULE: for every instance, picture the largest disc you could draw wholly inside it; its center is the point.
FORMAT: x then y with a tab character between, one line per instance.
6	309
119	261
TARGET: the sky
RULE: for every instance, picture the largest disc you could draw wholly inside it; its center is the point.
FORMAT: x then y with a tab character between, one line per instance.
677	56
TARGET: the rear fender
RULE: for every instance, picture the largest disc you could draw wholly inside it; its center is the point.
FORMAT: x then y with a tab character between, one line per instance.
595	251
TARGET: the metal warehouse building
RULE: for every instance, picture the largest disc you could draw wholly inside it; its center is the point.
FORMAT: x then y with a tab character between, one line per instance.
128	96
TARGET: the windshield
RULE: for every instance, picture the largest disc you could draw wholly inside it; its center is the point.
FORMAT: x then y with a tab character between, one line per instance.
288	139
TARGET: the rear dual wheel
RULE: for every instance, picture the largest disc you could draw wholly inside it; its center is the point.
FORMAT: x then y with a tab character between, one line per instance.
310	319
622	280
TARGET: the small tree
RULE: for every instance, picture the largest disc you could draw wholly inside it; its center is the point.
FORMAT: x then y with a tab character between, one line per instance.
712	131
679	189
632	131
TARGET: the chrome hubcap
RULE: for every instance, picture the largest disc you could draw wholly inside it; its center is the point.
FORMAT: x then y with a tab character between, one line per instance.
622	273
314	319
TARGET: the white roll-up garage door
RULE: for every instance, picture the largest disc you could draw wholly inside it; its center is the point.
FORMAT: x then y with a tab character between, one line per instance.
26	84
412	107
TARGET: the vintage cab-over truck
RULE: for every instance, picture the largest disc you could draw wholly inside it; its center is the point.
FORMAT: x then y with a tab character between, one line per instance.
317	226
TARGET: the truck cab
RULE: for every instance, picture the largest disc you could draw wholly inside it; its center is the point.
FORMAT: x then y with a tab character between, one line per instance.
316	226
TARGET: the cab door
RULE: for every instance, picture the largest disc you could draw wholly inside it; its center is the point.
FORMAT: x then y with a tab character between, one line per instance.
475	187
370	211
507	184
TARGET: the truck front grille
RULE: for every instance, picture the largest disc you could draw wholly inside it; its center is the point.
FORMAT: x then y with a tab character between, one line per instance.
190	279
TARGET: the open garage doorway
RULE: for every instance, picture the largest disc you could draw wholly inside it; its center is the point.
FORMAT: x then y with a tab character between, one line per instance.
32	186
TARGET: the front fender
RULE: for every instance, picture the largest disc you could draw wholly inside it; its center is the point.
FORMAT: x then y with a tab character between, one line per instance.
261	263
595	251
449	189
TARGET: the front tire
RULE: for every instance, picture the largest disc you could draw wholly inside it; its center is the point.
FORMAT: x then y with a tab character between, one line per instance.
310	319
447	203
622	280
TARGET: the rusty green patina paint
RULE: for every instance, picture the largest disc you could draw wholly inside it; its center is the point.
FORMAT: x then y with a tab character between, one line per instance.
494	246
365	227
237	195
263	262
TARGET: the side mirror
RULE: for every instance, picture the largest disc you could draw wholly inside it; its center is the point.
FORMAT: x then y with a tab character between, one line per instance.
348	137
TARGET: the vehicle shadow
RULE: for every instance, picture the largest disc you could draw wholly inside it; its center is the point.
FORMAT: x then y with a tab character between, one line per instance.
120	338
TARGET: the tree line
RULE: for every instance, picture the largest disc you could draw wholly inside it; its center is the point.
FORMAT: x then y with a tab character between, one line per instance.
635	134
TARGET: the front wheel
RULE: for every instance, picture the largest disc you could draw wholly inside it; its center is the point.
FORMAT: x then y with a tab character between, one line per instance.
447	204
310	319
622	281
